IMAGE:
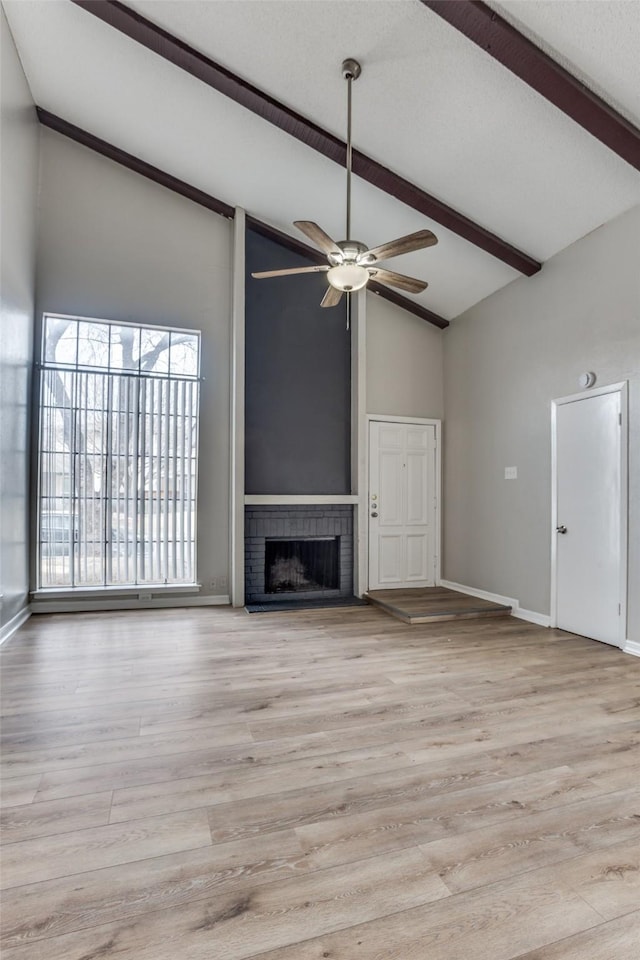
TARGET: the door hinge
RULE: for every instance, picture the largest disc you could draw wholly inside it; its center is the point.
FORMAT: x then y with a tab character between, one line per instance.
619	419
619	609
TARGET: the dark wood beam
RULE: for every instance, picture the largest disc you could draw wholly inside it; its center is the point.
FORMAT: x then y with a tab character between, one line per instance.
285	240
159	41
477	21
388	294
134	163
159	176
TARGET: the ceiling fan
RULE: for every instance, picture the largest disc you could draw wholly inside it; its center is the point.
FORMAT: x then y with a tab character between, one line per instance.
351	264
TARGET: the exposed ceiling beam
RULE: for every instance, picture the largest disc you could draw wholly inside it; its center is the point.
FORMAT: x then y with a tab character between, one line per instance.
134	163
159	41
480	23
159	176
387	294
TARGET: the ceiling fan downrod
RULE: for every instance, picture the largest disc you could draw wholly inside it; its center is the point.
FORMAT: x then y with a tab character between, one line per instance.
351	70
352	264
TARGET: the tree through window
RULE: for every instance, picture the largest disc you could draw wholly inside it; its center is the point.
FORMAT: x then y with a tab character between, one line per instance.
118	448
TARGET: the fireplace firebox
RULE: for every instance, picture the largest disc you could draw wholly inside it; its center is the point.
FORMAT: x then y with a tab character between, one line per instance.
292	566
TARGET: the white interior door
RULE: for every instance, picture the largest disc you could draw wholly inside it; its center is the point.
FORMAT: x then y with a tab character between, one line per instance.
402	505
589	565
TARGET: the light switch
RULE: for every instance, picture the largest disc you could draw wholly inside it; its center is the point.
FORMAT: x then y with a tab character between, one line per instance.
511	473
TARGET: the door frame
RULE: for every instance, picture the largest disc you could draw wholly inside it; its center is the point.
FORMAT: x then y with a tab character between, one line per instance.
621	388
424	422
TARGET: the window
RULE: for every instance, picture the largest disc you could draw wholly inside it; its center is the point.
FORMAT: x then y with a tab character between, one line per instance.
118	449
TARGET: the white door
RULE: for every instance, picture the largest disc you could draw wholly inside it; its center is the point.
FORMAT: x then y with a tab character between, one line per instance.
402	505
589	580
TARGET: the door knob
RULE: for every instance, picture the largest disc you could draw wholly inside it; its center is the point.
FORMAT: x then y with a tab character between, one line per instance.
561	529
374	514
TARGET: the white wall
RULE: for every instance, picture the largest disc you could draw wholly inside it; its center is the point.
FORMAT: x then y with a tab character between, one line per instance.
505	360
404	362
19	165
112	244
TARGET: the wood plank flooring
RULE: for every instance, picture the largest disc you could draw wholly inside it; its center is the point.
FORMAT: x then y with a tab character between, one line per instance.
209	785
434	605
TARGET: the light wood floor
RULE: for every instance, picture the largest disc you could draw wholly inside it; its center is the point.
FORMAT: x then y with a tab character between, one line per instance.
208	785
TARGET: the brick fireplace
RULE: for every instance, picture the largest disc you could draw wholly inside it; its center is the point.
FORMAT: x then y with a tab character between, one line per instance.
288	538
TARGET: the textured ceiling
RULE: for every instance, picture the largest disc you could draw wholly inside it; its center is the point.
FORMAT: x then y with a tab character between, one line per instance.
598	42
430	105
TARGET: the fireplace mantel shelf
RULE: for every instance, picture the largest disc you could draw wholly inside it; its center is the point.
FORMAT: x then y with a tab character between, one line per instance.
289	499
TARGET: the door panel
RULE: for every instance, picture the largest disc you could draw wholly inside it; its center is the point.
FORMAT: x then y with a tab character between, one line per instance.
417	557
390	488
390	552
417	485
417	438
588	487
402	486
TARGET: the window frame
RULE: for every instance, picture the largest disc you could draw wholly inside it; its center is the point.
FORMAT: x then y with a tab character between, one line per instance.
143	589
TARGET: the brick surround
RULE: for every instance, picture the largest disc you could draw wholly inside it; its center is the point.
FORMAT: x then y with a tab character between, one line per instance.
294	523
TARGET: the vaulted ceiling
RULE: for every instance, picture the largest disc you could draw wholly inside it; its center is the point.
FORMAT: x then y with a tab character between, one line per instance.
431	106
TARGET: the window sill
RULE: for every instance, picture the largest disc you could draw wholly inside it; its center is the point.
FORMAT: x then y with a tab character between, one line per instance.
141	592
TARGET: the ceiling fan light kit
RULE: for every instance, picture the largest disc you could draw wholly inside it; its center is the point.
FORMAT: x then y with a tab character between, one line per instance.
351	263
347	277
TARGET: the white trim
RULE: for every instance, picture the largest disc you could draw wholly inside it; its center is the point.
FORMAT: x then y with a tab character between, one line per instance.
94	593
394	419
438	468
541	619
360	446
481	594
236	424
620	387
425	422
15	623
632	647
94	604
623	389
292	500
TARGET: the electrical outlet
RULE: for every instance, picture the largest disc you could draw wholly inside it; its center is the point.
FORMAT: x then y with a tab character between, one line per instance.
224	583
511	473
213	583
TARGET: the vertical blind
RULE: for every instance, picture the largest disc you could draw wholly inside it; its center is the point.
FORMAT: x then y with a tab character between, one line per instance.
118	455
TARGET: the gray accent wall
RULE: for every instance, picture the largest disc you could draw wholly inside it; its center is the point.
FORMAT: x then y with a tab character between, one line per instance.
19	174
298	380
112	244
505	361
404	362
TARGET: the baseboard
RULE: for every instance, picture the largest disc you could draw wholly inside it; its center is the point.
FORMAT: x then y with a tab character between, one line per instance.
482	594
15	623
77	606
541	619
632	647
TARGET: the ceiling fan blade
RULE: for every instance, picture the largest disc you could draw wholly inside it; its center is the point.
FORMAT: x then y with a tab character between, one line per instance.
397	280
413	241
319	237
286	273
331	297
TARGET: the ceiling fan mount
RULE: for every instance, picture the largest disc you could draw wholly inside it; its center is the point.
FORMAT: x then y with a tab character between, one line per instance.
351	264
351	69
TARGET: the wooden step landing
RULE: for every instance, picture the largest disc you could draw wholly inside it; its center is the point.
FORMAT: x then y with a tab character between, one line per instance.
431	604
